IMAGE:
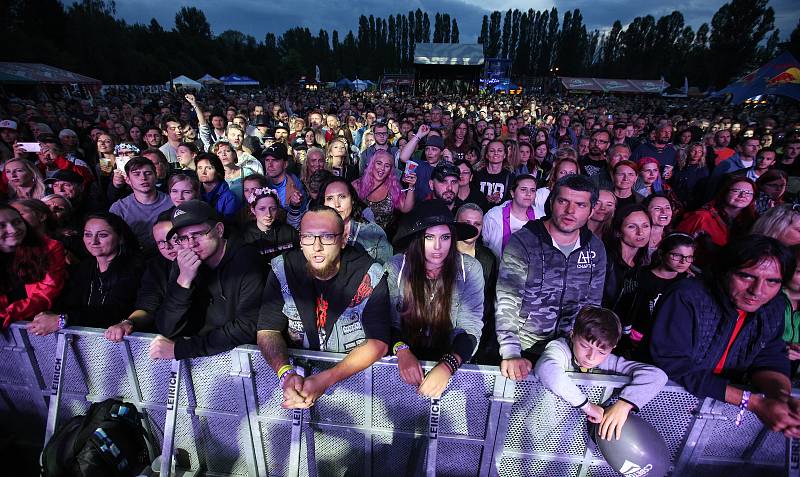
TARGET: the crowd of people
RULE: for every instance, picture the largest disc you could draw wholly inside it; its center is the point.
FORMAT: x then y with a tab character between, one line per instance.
652	238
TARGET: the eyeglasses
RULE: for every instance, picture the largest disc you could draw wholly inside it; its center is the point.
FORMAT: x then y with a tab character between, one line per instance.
167	244
311	239
598	141
741	192
194	237
682	258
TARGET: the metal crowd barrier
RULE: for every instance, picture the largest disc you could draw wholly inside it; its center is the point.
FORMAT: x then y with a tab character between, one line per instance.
222	416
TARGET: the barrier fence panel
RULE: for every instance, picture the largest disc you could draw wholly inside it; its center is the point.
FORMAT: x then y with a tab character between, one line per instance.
227	418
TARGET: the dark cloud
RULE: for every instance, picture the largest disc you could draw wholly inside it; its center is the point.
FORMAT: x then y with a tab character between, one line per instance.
256	17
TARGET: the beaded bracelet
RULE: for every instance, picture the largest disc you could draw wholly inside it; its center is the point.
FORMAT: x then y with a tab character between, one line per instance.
451	362
62	321
742	407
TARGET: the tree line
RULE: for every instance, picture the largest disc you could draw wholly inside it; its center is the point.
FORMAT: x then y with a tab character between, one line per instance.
88	38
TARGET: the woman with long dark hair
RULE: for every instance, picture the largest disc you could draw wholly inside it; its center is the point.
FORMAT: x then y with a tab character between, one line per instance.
626	247
102	288
671	262
34	268
436	296
661	213
340	195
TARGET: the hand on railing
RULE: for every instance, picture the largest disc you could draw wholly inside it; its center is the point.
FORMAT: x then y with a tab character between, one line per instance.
435	382
516	369
293	397
410	369
162	348
778	415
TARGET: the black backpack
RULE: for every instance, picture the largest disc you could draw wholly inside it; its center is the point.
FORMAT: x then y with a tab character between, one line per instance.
108	441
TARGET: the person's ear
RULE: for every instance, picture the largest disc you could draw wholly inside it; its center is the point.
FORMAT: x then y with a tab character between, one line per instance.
220	228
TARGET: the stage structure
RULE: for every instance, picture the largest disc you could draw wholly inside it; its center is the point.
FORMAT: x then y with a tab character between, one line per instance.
448	68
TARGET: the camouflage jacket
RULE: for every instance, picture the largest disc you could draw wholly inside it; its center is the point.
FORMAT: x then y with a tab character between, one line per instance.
540	291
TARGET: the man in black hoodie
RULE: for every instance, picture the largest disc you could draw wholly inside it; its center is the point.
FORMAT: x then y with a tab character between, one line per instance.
213	292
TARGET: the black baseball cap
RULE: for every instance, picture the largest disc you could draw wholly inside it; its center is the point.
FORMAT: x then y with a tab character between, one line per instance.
65	175
445	169
191	212
276	150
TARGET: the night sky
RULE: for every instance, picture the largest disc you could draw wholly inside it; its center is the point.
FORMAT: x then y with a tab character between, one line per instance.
257	17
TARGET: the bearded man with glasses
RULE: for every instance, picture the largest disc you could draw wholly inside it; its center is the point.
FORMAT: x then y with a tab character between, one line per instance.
213	291
325	296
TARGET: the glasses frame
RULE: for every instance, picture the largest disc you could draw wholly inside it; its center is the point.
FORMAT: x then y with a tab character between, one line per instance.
194	237
330	241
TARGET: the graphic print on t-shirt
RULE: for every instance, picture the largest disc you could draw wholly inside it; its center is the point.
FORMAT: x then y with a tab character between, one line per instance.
490	188
322	317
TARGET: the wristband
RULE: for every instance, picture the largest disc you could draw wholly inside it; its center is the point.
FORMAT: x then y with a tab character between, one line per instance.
399	346
283	369
582	405
285	375
130	322
62	321
742	407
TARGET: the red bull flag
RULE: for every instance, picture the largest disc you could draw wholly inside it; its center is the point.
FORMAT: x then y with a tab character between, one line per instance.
781	76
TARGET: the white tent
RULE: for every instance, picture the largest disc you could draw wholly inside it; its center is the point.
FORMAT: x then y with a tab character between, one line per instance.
208	79
360	85
185	82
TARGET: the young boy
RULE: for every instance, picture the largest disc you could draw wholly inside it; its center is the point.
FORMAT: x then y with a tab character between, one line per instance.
588	350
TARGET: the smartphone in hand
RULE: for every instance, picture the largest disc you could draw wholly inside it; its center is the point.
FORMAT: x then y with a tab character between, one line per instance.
30	146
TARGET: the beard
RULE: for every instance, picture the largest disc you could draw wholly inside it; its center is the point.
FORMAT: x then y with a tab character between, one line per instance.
326	272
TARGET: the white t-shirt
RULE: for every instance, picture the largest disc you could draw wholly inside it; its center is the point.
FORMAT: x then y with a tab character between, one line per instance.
542	194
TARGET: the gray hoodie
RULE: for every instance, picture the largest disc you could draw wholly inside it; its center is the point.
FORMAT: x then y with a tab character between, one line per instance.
540	291
556	361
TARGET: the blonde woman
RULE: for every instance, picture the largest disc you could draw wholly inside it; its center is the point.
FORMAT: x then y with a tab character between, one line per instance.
367	141
337	155
24	180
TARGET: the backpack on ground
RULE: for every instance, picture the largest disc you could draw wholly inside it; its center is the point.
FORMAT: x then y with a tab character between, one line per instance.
108	441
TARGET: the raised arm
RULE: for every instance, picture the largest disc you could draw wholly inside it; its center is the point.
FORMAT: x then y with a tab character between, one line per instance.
411	145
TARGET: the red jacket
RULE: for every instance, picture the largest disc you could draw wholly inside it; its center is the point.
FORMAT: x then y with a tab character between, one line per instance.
42	294
708	220
63	164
